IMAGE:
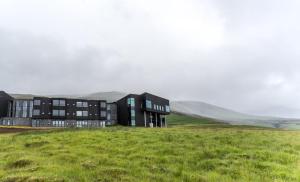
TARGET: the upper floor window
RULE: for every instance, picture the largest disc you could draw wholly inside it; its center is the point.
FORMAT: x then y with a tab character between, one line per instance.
167	108
82	113
59	103
37	102
148	104
58	113
81	104
103	104
108	107
103	113
131	102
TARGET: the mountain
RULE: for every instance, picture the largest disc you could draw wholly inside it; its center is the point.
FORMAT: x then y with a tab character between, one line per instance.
229	116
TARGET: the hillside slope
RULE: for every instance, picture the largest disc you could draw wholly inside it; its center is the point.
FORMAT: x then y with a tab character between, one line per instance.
229	116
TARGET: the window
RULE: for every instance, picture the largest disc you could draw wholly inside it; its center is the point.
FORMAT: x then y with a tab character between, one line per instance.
167	108
58	113
59	103
24	114
81	104
132	122
108	116
132	113
103	113
36	112
82	113
131	102
148	104
81	124
37	102
85	113
79	113
58	123
108	107
128	101
103	105
84	104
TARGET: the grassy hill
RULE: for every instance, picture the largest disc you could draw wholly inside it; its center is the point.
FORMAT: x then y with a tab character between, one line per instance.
199	150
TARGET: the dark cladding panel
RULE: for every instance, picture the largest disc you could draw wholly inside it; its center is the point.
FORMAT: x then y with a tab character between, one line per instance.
5	99
42	108
156	104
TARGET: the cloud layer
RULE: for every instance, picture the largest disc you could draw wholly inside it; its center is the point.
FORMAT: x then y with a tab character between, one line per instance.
243	55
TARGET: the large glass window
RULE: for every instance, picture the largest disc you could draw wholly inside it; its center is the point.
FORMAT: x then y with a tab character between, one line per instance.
37	102
148	104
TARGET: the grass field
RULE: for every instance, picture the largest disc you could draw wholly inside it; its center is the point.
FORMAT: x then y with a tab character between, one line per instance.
195	151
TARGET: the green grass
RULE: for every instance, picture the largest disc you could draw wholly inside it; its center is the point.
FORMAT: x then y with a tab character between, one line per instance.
180	119
216	152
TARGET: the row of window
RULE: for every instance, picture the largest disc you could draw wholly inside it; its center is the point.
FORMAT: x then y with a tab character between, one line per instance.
36	112
63	103
79	124
157	107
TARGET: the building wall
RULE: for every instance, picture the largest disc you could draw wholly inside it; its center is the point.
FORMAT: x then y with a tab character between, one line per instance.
46	108
4	103
112	115
22	108
125	109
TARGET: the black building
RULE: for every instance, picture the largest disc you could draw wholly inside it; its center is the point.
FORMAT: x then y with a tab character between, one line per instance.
143	110
40	111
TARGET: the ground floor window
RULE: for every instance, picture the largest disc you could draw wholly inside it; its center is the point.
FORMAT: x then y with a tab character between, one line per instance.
58	123
81	124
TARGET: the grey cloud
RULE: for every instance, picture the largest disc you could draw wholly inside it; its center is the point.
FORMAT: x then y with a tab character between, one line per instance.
243	55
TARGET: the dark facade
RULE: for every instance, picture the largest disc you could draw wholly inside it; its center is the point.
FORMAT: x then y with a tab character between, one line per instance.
68	112
143	110
5	100
38	111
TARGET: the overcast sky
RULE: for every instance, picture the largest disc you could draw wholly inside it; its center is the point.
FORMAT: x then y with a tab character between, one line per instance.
243	55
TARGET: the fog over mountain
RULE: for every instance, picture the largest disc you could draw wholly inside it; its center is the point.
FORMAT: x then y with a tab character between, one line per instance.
241	55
